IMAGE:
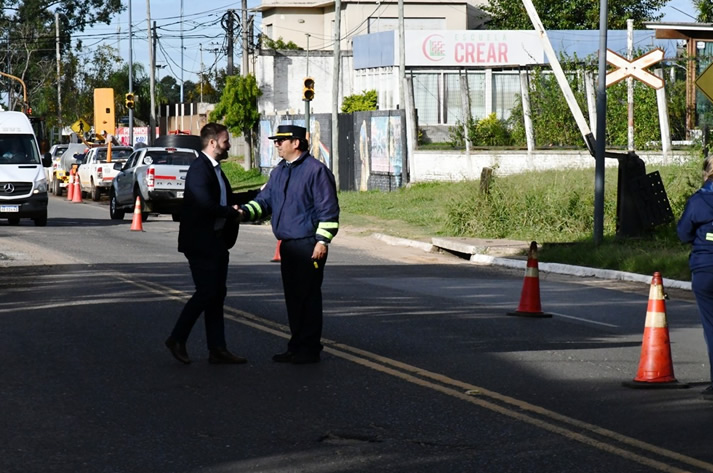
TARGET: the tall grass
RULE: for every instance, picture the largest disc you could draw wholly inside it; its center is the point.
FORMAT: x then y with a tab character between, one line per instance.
554	208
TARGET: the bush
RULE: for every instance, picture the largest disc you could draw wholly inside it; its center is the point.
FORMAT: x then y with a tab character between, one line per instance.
490	131
363	102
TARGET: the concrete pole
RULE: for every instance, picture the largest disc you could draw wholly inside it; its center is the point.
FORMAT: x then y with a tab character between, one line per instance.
402	78
152	75
591	100
131	76
526	111
630	85
244	33
59	78
336	69
663	120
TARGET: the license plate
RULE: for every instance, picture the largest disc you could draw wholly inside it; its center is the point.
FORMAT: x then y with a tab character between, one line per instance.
9	208
179	194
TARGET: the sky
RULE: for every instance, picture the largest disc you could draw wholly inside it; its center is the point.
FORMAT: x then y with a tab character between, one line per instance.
203	35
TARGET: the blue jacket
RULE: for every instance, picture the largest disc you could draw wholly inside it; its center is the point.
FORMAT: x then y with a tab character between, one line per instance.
302	198
696	227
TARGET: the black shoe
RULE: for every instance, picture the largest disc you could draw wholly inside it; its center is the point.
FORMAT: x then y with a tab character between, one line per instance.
305	358
221	356
178	350
283	357
707	393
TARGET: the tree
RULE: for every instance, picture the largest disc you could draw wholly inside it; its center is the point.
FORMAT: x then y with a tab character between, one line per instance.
572	14
705	10
29	34
237	107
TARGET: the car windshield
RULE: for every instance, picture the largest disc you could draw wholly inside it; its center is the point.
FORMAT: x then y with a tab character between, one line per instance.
18	149
178	158
117	155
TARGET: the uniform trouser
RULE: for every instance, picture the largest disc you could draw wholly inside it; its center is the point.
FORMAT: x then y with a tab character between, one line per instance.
210	278
702	285
302	284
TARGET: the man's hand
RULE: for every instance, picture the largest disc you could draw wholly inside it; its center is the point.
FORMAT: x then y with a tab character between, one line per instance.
319	252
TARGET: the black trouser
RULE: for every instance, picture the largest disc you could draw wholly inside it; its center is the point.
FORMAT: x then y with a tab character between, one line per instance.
302	283
210	277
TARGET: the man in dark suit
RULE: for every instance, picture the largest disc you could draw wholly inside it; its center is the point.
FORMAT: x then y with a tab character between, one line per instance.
208	229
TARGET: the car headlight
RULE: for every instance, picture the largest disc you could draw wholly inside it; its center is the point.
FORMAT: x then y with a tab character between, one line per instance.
40	186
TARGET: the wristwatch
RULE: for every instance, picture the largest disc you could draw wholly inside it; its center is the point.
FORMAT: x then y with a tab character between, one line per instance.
323	242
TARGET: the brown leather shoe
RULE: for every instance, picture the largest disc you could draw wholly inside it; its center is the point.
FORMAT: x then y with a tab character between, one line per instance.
178	350
221	356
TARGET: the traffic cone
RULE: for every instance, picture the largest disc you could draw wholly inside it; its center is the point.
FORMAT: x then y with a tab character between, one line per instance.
655	366
77	194
276	258
137	223
70	186
530	296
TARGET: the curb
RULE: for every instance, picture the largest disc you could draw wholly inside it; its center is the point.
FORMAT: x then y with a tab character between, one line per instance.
556	268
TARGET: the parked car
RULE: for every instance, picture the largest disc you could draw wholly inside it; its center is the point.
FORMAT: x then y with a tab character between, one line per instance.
154	175
96	171
56	153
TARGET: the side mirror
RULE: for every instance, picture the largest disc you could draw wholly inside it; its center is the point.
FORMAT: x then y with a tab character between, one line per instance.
118	166
47	160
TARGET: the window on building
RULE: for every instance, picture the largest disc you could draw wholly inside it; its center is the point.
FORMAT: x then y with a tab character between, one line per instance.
506	93
426	98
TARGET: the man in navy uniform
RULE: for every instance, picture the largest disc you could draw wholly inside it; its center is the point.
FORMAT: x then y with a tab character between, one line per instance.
301	195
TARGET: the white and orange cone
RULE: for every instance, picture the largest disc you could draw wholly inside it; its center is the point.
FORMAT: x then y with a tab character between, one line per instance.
530	297
656	364
137	222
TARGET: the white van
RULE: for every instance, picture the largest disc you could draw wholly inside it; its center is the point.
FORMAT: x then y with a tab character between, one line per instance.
23	184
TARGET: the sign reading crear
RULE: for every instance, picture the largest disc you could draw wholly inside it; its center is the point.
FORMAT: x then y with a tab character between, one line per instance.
473	48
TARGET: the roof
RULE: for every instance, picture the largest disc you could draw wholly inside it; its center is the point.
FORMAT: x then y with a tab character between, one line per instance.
682	30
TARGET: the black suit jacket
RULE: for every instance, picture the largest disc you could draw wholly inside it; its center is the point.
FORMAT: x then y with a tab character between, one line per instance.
197	234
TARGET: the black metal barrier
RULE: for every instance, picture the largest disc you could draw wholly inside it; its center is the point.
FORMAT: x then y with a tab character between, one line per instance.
642	203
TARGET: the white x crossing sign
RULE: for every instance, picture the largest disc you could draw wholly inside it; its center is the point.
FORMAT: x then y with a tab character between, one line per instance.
636	68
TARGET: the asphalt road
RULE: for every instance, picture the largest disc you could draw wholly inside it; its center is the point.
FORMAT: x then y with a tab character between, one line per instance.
423	371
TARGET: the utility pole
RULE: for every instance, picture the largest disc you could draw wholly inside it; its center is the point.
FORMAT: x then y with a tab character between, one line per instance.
402	94
59	77
335	90
307	102
244	33
231	40
600	141
181	29
131	77
152	75
201	74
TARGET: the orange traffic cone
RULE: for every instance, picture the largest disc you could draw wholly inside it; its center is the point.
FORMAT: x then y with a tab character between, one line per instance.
137	222
530	297
70	185
77	194
655	366
276	258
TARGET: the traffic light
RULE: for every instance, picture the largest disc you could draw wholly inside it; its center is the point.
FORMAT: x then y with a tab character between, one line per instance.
308	89
129	100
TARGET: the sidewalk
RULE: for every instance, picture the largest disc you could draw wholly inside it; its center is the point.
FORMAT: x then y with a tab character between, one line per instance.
512	254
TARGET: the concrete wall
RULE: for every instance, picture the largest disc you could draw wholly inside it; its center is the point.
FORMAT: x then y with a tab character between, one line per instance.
456	166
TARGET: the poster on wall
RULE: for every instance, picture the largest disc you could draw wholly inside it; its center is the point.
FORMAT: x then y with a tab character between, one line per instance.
379	143
268	156
141	135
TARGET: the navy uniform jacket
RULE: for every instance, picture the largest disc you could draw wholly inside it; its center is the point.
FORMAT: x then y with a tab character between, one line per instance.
696	227
302	198
197	235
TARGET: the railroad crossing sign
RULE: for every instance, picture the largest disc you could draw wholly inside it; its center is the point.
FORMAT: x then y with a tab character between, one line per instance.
705	83
80	126
636	68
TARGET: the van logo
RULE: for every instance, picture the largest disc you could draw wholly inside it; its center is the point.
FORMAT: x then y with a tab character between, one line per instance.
8	188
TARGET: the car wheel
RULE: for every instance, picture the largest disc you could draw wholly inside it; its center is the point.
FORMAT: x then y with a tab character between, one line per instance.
57	188
114	212
41	221
96	192
13	221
